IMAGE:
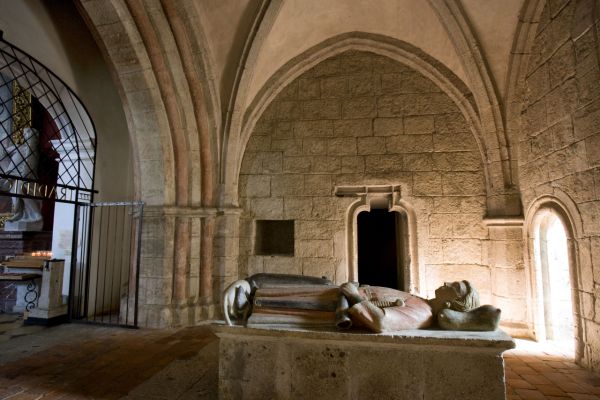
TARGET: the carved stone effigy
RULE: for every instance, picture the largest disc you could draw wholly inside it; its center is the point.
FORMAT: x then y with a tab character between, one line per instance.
297	301
263	363
290	347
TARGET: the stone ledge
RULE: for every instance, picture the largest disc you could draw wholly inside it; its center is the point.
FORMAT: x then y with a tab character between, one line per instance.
189	211
422	337
503	222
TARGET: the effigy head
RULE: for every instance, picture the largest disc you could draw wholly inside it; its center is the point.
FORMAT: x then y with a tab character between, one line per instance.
484	318
458	295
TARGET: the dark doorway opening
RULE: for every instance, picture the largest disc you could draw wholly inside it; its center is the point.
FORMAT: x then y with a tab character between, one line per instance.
379	252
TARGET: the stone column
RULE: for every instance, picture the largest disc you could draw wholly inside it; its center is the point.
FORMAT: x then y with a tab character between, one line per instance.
156	268
203	267
505	252
226	251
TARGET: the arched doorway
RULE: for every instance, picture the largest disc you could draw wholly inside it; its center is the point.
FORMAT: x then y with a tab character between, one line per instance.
554	280
553	276
381	248
381	204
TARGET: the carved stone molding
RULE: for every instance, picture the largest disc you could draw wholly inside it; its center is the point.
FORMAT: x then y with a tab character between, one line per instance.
380	197
185	211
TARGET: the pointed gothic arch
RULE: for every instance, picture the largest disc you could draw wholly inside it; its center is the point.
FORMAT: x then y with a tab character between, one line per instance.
396	50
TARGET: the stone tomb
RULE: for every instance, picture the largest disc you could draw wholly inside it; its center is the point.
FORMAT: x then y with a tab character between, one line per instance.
261	363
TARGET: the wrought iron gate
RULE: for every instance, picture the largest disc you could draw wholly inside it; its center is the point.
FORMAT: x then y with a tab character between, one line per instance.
47	137
48	154
105	281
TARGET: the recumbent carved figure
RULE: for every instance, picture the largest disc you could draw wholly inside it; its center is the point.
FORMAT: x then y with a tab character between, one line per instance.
300	301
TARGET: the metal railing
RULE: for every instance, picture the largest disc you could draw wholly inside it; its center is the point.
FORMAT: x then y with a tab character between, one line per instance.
105	282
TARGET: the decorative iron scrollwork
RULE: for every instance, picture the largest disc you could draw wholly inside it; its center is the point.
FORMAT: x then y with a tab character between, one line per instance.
34	99
31	295
3	218
21	112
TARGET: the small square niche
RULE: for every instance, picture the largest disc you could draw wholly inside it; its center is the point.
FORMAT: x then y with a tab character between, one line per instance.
275	237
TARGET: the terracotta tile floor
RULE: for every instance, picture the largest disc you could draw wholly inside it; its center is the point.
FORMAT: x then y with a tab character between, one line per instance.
536	371
77	361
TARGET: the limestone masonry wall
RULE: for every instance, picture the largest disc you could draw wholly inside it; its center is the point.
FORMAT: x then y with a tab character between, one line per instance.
359	119
560	142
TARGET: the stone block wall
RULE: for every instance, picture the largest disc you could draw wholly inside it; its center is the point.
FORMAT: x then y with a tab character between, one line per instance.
156	271
560	142
362	119
505	251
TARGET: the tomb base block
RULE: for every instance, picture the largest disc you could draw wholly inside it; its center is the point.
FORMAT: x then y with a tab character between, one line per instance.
296	364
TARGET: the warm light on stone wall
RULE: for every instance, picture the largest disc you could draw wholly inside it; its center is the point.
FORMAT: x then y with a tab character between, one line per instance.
559	149
363	119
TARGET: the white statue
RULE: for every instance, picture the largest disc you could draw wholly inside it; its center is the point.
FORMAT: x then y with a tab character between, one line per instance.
22	160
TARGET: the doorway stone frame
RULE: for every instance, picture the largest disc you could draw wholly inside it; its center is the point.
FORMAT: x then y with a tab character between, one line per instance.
565	209
381	197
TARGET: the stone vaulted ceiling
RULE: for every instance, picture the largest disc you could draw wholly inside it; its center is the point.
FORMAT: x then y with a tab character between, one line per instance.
205	65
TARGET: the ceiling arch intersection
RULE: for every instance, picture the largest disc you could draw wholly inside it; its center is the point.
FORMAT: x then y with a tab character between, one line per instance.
489	103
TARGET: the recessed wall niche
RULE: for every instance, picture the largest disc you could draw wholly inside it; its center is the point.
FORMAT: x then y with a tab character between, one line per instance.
274	237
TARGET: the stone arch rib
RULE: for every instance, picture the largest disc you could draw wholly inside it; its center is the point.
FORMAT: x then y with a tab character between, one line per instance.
262	25
119	40
489	103
176	16
517	71
166	86
194	67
